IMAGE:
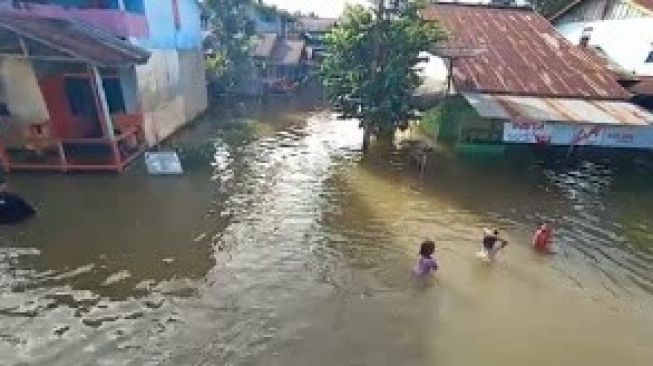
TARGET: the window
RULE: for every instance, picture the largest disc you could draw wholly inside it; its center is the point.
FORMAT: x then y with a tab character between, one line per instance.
113	92
135	6
81	100
649	59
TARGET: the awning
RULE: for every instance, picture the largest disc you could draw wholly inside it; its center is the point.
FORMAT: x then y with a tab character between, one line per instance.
66	39
565	110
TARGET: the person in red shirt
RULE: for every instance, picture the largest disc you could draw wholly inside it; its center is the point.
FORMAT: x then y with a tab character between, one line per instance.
543	239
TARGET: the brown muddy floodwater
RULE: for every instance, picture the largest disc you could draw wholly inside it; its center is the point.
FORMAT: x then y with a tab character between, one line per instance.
283	245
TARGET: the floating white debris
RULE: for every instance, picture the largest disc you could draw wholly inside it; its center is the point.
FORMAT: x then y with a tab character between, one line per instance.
116	277
200	237
163	163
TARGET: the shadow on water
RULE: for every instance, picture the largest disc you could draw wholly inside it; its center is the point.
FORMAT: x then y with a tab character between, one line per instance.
113	252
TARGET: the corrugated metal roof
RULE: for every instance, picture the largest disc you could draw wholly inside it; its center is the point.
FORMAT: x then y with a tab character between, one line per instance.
317	25
287	52
79	40
265	44
629	51
648	4
643	87
524	55
567	110
279	51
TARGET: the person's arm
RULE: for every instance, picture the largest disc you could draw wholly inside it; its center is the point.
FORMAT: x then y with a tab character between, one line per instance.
504	242
549	241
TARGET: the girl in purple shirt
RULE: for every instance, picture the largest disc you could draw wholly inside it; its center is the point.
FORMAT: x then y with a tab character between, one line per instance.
426	263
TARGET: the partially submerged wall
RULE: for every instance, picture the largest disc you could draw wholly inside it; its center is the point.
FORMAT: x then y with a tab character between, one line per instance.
172	84
158	83
22	93
193	83
172	91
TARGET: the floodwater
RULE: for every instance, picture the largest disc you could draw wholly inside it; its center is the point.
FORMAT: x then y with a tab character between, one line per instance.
284	245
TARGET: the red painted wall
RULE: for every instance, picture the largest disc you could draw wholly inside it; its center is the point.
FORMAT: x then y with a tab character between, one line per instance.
54	93
63	123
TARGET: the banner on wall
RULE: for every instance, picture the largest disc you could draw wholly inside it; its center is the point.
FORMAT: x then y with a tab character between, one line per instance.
578	135
527	132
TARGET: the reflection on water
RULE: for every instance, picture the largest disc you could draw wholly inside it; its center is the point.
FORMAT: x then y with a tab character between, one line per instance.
283	245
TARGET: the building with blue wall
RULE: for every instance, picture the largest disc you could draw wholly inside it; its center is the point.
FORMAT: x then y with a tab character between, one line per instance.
172	83
170	89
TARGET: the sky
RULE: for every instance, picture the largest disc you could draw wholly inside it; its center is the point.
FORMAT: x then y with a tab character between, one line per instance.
326	8
323	8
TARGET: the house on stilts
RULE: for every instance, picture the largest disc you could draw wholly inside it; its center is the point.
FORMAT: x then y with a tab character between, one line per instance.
87	85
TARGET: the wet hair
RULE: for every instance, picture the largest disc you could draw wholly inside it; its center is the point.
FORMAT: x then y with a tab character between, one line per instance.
427	248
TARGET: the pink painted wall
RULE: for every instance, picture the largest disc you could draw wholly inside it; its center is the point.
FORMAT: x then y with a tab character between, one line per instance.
120	23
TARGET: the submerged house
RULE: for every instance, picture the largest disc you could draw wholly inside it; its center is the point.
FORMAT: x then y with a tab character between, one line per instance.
88	84
525	83
601	26
281	63
313	31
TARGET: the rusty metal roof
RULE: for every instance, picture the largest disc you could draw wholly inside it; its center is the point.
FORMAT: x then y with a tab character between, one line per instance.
567	110
648	4
74	39
524	55
643	87
279	51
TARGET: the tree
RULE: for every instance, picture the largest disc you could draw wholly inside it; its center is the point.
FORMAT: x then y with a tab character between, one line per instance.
232	30
369	70
549	7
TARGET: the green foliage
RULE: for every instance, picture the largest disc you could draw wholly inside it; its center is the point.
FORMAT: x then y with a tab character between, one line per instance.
233	31
270	13
445	120
380	97
549	7
431	121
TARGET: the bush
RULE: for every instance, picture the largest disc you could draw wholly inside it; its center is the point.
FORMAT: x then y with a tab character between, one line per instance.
444	121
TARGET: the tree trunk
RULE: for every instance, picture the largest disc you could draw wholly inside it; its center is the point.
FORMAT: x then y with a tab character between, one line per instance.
386	135
367	137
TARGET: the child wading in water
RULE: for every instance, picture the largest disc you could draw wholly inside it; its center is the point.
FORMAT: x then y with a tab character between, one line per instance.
426	263
543	239
492	244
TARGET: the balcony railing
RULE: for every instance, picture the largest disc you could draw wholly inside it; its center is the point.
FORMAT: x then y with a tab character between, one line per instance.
32	147
122	23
